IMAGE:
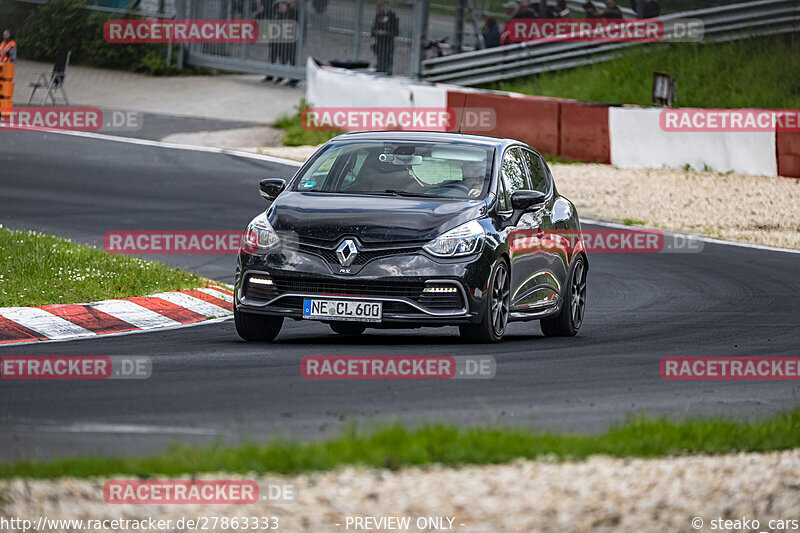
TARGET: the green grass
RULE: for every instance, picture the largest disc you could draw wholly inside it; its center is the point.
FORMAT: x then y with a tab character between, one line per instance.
296	135
553	159
395	447
633	222
750	73
38	269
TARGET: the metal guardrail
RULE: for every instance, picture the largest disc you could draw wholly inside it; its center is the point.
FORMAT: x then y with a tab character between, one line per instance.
721	23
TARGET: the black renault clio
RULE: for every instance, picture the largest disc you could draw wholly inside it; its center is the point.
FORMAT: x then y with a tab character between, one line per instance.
401	229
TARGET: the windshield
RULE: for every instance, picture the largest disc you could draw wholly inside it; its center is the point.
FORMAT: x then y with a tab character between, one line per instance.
436	170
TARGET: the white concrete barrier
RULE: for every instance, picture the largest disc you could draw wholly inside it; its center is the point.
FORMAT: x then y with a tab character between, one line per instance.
635	136
637	141
336	87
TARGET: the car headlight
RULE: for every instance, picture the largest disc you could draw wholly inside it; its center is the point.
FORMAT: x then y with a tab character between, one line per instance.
466	239
259	235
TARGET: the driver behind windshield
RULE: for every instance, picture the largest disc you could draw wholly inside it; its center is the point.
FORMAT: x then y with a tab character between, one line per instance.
473	175
386	171
381	172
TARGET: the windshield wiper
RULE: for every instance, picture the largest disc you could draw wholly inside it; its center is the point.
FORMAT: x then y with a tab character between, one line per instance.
398	192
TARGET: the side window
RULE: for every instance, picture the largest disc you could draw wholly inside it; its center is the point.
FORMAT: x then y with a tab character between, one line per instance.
536	172
350	177
317	176
547	171
513	174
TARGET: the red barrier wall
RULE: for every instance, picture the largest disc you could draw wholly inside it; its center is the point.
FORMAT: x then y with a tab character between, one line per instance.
531	119
787	145
584	132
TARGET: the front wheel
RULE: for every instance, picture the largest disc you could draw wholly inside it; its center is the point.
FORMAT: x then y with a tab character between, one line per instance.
252	327
569	319
495	314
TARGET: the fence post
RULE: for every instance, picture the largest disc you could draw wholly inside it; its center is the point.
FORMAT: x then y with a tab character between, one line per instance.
180	13
459	40
358	24
169	44
419	34
300	48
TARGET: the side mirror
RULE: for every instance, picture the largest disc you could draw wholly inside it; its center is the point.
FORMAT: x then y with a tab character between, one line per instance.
522	201
270	188
527	200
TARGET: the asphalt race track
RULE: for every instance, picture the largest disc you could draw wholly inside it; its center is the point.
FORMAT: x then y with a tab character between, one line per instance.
207	384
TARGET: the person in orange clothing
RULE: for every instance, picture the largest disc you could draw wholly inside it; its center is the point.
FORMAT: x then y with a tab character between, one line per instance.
8	48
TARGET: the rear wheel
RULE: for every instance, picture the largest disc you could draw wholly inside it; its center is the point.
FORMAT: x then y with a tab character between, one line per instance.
252	327
568	321
344	328
495	315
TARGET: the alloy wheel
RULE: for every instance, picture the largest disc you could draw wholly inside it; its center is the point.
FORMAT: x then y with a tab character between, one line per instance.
578	294
500	300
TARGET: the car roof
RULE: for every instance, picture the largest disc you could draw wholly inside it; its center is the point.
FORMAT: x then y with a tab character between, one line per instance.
425	136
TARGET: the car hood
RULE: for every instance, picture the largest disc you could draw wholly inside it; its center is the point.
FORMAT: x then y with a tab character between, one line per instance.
372	219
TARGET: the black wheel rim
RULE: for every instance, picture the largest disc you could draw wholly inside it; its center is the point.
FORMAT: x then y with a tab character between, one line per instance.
499	303
578	294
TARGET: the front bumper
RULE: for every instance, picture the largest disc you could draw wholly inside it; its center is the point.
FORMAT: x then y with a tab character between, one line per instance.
398	281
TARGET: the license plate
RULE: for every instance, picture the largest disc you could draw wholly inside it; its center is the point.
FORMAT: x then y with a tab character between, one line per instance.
342	310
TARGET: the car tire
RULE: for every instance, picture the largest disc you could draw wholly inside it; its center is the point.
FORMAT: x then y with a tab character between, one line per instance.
493	324
569	319
258	328
344	328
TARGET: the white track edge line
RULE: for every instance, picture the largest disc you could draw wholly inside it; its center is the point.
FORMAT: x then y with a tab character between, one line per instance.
177	146
693	236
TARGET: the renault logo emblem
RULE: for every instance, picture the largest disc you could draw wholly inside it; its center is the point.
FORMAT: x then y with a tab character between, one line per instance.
346	252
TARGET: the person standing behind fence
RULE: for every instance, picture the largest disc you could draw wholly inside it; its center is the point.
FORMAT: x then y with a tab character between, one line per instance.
290	36
611	11
8	48
490	32
279	49
384	29
646	9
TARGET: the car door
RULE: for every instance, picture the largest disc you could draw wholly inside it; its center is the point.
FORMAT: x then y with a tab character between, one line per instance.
540	270
533	284
565	233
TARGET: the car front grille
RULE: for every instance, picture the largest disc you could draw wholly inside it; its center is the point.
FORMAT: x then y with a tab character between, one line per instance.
377	289
363	257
